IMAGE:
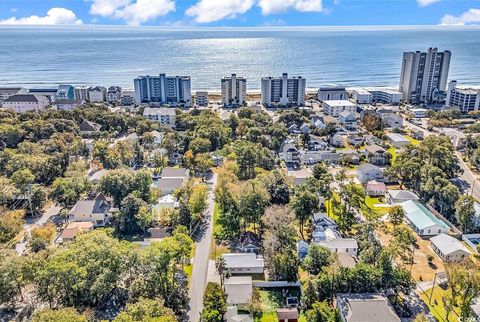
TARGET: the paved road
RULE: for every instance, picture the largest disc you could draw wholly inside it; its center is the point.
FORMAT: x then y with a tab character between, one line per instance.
200	262
473	184
53	210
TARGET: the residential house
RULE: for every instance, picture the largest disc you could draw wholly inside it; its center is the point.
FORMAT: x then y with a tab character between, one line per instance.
97	175
312	157
290	155
449	249
376	154
417	134
320	219
397	140
248	242
341	245
168	185
399	196
163	115
349	120
393	121
365	307
243	263
367	172
336	140
66	105
182	173
458	138
73	230
289	314
114	94
355	140
419	112
304	128
94	210
167	201
317	144
422	220
349	156
238	290
346	260
375	188
302	249
89	127
97	94
372	140
232	315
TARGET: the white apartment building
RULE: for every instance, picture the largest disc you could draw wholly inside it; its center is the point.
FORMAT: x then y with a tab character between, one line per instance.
201	98
332	93
97	94
465	99
22	103
385	95
362	96
283	90
335	107
6	92
163	115
424	75
81	93
162	89
234	91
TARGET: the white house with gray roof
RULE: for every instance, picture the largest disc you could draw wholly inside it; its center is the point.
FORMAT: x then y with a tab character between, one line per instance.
367	172
95	211
365	307
244	263
449	249
399	196
422	220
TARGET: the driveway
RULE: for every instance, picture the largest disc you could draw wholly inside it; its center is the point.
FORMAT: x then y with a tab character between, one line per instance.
51	211
200	260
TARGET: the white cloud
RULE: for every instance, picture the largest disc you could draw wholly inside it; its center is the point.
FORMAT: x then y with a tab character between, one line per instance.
107	8
469	17
277	6
55	16
206	11
134	13
424	3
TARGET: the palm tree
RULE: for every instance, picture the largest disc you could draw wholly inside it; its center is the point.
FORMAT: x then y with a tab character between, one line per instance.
222	270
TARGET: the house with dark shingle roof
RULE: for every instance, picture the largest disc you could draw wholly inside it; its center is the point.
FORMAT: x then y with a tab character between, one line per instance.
88	126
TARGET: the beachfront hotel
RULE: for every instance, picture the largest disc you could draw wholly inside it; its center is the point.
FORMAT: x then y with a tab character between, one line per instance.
234	91
162	89
283	90
424	75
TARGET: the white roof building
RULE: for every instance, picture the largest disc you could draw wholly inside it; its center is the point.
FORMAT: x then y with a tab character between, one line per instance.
449	249
244	263
239	290
422	220
399	196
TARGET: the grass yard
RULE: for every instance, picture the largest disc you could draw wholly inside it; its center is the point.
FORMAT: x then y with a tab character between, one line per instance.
217	250
371	202
273	298
436	304
393	151
412	140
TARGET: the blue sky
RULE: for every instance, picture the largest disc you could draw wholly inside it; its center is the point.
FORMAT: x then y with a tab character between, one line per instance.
238	13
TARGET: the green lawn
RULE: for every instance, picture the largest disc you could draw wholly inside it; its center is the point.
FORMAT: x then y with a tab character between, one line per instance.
436	304
412	140
393	151
273	298
217	250
371	202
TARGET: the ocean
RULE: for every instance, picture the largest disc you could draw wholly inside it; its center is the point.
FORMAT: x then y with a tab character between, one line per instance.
109	55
